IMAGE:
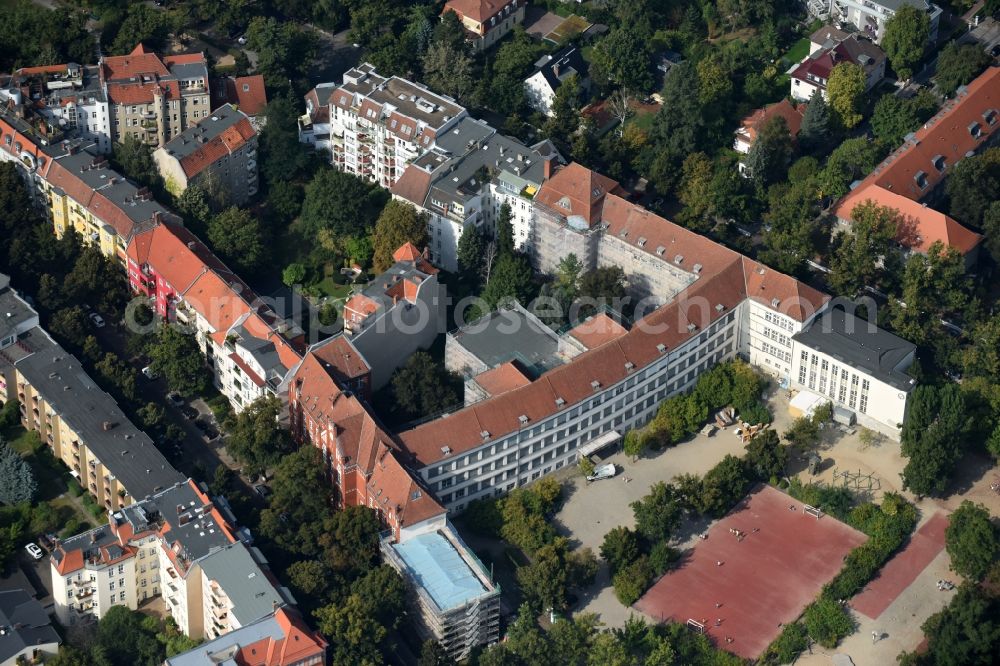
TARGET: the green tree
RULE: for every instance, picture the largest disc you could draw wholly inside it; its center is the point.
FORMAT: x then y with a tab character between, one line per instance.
893	118
658	513
770	154
958	65
284	50
177	358
281	156
422	386
340	202
991	230
449	70
255	438
293	274
795	232
505	231
695	190
510	279
135	159
620	548
399	223
965	632
906	34
633	444
723	486
545	582
471	245
714	83
854	263
814	133
622	59
353	632
143	24
973	542
17	482
150	415
766	457
935	287
845	89
565	119
125	637
119	374
302	494
433	654
933	438
851	160
973	187
632	580
239	238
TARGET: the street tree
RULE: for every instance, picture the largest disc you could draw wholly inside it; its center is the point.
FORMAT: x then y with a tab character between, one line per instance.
255	438
176	357
906	35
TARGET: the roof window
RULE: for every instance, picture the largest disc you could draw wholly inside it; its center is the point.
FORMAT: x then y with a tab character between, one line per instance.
975	130
595	384
939	162
990	116
921	179
662	348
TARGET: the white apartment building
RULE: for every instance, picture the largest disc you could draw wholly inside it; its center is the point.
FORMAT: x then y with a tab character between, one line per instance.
377	125
178	544
870	16
465	180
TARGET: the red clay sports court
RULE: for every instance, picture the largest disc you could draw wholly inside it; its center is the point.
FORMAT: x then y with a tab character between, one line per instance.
902	569
765	580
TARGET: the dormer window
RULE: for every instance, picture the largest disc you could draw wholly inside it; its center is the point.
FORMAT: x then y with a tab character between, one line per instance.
938	162
975	130
660	250
990	116
921	180
642	242
595	384
564	203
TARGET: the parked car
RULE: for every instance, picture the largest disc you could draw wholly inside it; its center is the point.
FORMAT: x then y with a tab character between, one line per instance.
189	412
46	541
262	490
149	372
35	552
605	471
211	433
97	320
202	424
175	399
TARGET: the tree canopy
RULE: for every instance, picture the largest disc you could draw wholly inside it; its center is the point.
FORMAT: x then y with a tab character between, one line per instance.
255	438
846	88
973	542
237	235
906	35
398	224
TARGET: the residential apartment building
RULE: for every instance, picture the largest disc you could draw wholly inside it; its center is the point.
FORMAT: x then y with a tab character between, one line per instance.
458	602
871	16
466	178
909	179
178	544
154	99
68	97
81	424
279	639
219	154
551	71
813	73
486	21
399	312
249	348
377	125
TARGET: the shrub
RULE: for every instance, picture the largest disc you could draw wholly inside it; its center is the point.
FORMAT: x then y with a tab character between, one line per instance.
9	414
792	640
662	557
828	622
73	527
75	489
755	412
632	581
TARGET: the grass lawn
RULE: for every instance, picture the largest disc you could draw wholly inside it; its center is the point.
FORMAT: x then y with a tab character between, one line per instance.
799	50
21	440
642	120
331	289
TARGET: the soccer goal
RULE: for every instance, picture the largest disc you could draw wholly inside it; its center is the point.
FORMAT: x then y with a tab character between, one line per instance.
696	626
813	511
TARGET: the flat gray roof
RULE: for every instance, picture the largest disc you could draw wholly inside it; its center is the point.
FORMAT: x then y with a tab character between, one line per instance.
402	94
860	343
508	335
14	312
251	592
127	452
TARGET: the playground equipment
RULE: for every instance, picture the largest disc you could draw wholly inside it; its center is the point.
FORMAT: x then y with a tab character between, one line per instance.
857	480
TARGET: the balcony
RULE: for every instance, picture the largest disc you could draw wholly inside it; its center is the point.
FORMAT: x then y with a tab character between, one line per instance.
251	165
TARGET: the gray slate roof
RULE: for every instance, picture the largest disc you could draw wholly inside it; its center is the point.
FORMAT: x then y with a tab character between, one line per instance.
240	574
125	451
863	345
25	624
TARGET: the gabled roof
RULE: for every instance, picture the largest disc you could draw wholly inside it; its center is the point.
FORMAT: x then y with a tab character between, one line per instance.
922	226
341	359
224	132
137	63
575	190
792	114
597	330
247	93
413	185
478	10
505	377
821	63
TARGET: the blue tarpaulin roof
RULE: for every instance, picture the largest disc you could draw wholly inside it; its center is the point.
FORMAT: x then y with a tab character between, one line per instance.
440	569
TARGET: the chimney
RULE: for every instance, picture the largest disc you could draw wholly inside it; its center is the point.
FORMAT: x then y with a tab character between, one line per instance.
547	168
